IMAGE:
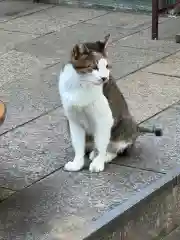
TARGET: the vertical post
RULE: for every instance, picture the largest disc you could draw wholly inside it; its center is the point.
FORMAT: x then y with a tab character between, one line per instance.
155	13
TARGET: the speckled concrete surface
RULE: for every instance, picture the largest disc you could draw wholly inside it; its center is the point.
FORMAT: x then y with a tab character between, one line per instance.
79	33
148	93
34	141
17	66
34	150
33	91
125	20
127	60
10	39
53	19
142	40
168	66
14	9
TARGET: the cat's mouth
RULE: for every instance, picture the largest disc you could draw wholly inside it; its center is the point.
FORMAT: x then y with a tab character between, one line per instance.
100	82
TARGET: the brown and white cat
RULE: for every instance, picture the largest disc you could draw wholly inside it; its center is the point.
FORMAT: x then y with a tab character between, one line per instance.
97	112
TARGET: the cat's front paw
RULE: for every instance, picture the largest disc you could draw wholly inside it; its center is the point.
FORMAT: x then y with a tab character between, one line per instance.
74	166
97	165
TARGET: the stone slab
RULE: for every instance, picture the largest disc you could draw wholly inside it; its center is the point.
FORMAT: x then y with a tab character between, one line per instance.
5	193
147	94
168	66
169	29
128	60
52	19
158	153
34	150
16	66
29	90
59	44
67	201
13	9
20	66
126	20
10	39
142	40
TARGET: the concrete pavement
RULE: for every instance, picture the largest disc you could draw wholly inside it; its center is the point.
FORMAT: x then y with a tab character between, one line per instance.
39	199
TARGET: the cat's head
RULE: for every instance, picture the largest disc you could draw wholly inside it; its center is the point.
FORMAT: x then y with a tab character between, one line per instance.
90	58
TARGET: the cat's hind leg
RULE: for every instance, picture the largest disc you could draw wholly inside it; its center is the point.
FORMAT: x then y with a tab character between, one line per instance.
122	145
115	148
110	156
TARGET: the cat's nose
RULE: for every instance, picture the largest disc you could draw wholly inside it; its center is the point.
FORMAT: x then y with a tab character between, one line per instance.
104	79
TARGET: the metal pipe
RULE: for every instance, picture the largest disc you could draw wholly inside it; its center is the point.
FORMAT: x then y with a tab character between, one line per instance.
155	10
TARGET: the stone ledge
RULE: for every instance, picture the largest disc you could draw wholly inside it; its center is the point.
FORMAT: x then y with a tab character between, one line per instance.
147	215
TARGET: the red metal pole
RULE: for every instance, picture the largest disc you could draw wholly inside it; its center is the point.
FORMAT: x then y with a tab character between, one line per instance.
155	13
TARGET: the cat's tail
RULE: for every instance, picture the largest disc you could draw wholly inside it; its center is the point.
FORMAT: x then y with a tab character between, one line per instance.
157	131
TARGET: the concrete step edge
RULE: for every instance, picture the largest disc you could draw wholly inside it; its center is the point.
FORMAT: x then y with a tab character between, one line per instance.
116	219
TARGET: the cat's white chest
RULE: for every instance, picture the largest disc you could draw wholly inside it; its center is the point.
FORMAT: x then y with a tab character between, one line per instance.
81	116
76	90
83	102
91	115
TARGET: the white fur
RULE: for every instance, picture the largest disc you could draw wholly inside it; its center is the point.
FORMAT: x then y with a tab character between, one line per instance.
102	72
87	110
118	147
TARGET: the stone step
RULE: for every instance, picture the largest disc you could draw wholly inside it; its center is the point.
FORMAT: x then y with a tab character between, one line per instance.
150	214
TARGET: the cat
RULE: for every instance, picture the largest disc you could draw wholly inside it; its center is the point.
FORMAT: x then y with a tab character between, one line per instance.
97	112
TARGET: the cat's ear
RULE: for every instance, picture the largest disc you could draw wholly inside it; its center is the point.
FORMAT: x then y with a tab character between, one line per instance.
106	40
79	50
85	49
103	43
